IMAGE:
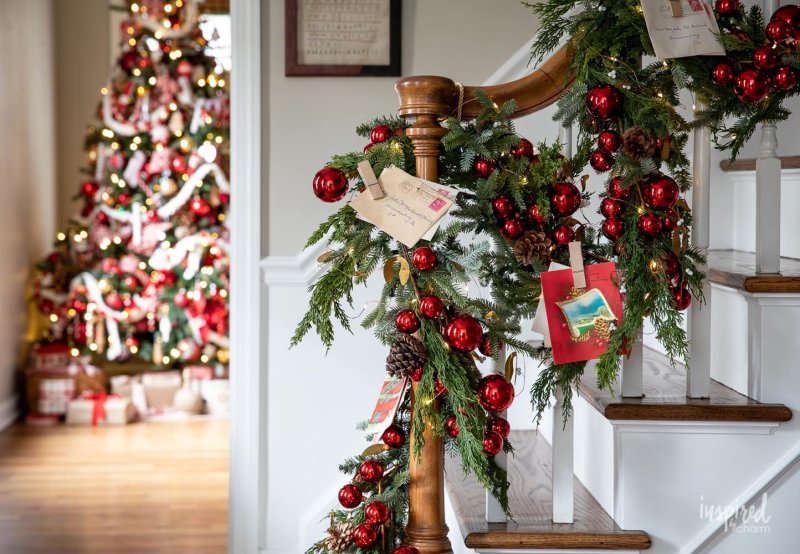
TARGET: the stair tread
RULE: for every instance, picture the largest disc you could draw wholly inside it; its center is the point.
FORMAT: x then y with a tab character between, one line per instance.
530	500
737	269
749	164
665	399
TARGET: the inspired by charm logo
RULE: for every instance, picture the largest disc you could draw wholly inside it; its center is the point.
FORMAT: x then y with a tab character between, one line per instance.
739	517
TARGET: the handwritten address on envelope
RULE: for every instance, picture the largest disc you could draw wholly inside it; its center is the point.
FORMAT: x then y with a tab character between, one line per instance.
409	209
690	34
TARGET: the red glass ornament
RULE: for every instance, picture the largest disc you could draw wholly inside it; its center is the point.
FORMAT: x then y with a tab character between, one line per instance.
751	85
368	147
87	210
495	394
131	282
671	265
613	228
484	168
350	496
184	68
779	30
565	198
492	443
102	218
609	141
603	102
616	190
451	426
127	61
330	184
660	192
376	512
727	7
784	78
439	388
380	133
124	199
114	301
523	150
365	535
535	215
563	235
681	298
601	161
394	436
180	299
90	188
765	57
503	206
431	306
407	321
53	258
371	471
649	224
423	258
415	374
132	342
611	207
499	425
199	207
406	550
46	306
790	15
487	348
722	74
463	333
512	228
670	221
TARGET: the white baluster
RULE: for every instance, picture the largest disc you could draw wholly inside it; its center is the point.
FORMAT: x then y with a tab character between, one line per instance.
563	464
565	138
698	375
768	202
494	512
633	370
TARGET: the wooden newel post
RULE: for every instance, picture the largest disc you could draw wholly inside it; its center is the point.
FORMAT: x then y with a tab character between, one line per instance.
427	99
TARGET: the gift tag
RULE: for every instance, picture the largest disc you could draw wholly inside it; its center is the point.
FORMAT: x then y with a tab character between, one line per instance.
389	400
679	31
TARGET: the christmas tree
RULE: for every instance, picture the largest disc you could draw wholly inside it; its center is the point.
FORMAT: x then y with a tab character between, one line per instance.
143	270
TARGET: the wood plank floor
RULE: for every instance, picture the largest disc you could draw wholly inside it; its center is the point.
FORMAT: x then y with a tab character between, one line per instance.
147	488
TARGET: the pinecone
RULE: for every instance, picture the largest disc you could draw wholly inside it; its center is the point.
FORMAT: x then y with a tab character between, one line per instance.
637	144
533	244
406	354
340	535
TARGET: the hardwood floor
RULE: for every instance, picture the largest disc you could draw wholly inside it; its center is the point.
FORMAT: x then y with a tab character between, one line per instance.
147	488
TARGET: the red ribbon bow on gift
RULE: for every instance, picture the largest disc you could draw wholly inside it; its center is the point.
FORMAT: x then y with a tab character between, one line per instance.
99	407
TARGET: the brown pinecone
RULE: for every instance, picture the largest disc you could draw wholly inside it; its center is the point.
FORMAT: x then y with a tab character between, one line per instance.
533	244
340	535
406	354
637	144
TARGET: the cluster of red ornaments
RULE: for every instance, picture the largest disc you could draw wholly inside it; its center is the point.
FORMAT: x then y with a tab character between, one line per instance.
380	134
495	395
659	194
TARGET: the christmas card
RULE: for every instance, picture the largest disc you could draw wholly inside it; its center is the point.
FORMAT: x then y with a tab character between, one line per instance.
682	28
580	320
389	400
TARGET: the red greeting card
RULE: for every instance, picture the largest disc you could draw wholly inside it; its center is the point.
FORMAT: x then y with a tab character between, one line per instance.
580	320
389	400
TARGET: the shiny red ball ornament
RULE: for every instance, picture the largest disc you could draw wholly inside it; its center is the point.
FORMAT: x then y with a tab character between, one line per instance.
90	188
670	221
87	210
451	426
371	471
368	147
131	343
394	436
722	74
784	78
609	141
727	7
423	259
681	298
765	57
365	535
130	282
127	61
439	388
464	333
512	228
487	348
601	161
565	198
671	265
380	133
611	207
789	14
616	190
199	207
492	443
649	224
484	168
523	150
184	68
503	206
330	184
376	512
181	299
431	306
102	218
751	85
779	30
603	102
406	550
495	394
613	228
563	235
124	199
350	496
660	192
534	214
415	374
499	425
114	301
407	321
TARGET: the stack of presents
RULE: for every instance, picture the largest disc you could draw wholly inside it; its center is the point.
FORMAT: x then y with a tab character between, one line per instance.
60	387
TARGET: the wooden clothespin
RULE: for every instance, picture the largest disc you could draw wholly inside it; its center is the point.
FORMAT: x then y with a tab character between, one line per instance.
368	176
576	261
675	7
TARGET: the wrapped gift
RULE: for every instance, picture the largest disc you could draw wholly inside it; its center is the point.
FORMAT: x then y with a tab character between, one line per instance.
130	387
88	378
216	393
54	395
160	388
50	355
100	409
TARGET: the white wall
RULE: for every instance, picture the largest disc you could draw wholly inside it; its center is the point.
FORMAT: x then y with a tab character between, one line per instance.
27	163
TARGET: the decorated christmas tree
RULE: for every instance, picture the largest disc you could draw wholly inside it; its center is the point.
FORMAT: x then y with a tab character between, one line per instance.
143	269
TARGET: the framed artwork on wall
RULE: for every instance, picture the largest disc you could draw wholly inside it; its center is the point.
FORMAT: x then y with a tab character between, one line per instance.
343	38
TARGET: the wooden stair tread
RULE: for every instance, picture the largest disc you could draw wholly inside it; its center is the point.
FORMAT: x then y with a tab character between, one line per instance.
530	500
737	269
665	399
787	162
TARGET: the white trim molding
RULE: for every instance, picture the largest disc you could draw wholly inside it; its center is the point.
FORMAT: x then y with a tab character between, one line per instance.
696	427
302	269
9	412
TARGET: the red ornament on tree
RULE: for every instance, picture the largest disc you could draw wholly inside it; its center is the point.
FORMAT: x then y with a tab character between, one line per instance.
451	426
415	374
611	207
670	221
330	184
439	388
565	198
751	85
512	228
784	78
616	190
613	228
563	235
722	74
484	168
90	188
660	192
609	141
431	306
371	471
727	7
487	348
394	436
503	206
131	283
671	265
495	394
127	61
350	496
406	550
407	321
649	224
765	57
779	31
535	215
523	150
199	207
681	298
463	333
499	425
423	258
365	535
601	161
603	102
124	198
380	133
114	301
790	15
492	443
368	147
376	512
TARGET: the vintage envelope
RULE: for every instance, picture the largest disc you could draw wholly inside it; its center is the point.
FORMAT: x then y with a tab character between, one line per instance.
389	400
409	209
691	34
540	317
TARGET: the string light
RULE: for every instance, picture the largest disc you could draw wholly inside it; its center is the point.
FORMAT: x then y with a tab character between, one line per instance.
135	7
108	133
53	318
61	236
75	352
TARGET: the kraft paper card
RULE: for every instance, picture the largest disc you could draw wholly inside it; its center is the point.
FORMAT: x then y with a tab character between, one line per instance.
693	33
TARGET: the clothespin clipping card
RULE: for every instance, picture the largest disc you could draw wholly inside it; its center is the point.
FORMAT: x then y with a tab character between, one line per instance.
370	180
576	262
675	8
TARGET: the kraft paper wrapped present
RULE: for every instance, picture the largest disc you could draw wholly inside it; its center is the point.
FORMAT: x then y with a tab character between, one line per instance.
160	388
100	409
54	395
216	393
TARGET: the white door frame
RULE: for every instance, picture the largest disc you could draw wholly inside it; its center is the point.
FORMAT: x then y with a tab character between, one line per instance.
248	414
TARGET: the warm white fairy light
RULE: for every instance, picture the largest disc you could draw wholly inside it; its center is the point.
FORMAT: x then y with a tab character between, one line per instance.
152	80
135	7
53	318
108	133
61	236
75	352
104	91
